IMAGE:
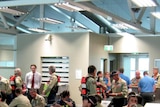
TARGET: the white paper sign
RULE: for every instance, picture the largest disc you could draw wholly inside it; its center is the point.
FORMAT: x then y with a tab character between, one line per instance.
78	73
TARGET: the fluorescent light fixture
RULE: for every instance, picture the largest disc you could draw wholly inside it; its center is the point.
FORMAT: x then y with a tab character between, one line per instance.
49	20
68	6
120	26
40	30
156	14
11	11
145	3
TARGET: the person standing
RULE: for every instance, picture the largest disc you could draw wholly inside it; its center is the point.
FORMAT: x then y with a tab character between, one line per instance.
121	71
16	81
119	90
20	100
91	80
6	88
146	88
156	77
52	86
33	79
101	86
37	100
135	81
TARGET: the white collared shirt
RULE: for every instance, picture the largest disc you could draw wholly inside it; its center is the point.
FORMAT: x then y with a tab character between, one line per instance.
37	79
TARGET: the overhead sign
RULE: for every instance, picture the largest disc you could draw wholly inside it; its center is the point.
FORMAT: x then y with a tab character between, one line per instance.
108	47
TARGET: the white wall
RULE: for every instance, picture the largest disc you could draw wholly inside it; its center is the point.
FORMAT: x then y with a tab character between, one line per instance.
96	49
75	45
130	44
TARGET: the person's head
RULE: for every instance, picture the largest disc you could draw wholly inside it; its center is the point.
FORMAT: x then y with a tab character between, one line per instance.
89	101
18	91
107	74
92	70
2	96
137	74
52	69
121	70
33	92
155	71
145	73
98	98
132	101
33	68
65	95
17	72
99	74
115	75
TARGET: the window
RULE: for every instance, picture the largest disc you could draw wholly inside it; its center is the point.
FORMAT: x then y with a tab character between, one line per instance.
131	63
7	51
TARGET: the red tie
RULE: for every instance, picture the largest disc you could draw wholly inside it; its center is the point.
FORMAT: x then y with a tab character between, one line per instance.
32	86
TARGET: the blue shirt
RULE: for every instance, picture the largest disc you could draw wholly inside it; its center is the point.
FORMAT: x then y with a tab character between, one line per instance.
128	81
146	84
106	82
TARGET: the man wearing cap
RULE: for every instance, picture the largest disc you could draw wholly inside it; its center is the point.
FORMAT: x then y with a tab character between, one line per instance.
119	90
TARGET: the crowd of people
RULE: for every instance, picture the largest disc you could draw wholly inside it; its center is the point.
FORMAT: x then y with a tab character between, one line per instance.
114	86
123	91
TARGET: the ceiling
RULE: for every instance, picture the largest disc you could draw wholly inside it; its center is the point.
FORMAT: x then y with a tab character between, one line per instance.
99	16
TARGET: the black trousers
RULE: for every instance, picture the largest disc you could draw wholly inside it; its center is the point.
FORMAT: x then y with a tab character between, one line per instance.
147	97
119	102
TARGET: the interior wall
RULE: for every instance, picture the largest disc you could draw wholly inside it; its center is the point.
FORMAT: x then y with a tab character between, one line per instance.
96	49
132	44
75	45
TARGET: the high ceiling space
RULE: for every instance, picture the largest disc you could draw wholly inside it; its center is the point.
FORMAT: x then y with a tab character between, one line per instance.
100	16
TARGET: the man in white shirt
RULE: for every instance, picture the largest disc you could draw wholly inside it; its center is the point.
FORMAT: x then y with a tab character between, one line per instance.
33	78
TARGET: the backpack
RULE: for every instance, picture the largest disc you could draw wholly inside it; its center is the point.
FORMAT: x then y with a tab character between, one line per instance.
83	88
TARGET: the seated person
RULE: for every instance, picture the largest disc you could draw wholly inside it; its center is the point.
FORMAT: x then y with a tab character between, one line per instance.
2	100
132	100
65	100
99	100
89	101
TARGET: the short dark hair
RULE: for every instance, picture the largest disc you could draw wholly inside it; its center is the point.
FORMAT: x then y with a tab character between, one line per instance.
99	72
65	93
121	70
33	65
91	69
3	96
18	91
145	73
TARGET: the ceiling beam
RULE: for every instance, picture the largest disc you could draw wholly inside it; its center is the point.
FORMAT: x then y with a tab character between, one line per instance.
153	20
131	11
81	0
141	14
92	8
26	2
9	31
4	20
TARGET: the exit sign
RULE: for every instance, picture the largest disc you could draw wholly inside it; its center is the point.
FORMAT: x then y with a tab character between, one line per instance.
108	47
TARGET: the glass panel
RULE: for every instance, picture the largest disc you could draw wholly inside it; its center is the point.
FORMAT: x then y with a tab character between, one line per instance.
133	64
143	64
7	50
